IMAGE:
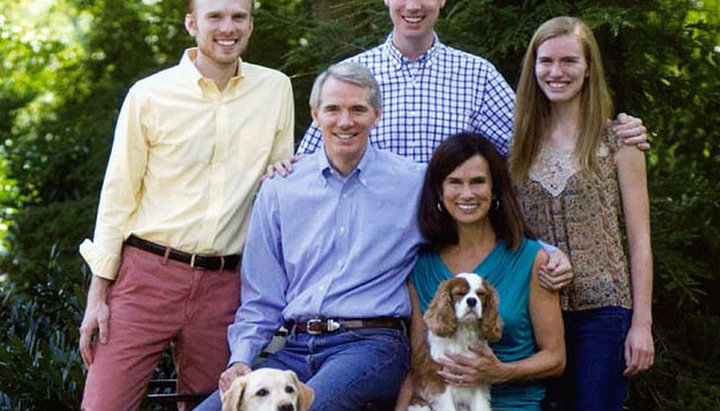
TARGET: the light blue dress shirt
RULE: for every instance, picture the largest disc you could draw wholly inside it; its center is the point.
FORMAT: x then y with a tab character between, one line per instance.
444	92
323	245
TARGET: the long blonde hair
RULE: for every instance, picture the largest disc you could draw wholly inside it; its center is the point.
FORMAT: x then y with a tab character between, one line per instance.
532	108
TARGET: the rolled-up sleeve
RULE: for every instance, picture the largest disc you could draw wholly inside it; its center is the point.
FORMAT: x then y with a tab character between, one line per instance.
121	189
264	281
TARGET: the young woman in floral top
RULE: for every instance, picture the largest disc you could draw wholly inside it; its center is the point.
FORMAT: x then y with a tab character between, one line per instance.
576	185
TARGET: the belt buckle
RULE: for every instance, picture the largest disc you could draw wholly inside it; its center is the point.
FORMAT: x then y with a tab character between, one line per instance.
314	322
330	325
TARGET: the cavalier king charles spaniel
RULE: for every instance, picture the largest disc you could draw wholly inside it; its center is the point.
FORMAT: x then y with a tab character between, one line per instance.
463	312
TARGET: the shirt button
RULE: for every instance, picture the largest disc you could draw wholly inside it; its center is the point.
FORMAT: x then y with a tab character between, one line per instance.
340	263
345	195
342	230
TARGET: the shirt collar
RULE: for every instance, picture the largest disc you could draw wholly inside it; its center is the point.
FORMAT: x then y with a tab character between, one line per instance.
327	171
189	70
398	59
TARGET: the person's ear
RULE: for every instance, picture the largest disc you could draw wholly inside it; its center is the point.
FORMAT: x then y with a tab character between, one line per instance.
190	24
314	114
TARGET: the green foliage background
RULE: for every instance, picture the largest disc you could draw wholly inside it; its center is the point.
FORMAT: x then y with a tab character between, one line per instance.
66	65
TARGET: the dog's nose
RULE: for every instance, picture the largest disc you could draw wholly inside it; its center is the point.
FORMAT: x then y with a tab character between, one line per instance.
471	302
286	407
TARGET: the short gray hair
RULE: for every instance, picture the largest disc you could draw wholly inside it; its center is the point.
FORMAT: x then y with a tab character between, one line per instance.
350	72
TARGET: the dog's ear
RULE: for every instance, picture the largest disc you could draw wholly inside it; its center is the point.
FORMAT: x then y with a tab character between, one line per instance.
232	398
491	324
440	316
306	395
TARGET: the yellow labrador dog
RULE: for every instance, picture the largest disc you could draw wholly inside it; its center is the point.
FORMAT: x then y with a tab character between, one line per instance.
267	389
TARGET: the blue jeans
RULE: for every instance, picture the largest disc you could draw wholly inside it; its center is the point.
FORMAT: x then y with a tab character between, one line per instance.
593	378
348	370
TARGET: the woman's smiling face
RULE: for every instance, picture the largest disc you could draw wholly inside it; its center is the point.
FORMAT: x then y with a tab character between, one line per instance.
561	68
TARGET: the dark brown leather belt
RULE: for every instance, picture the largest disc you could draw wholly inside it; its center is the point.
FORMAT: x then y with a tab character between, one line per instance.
207	262
328	325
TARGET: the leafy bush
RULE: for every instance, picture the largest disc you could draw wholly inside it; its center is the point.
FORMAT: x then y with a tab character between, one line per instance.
686	248
40	365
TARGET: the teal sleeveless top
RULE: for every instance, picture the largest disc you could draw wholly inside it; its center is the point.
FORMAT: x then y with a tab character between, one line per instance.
509	272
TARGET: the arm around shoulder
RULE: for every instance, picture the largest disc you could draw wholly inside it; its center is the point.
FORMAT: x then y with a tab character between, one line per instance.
632	131
547	324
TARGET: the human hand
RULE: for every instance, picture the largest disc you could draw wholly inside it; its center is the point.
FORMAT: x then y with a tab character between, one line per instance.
406	390
97	315
632	131
556	273
282	167
639	350
235	371
466	371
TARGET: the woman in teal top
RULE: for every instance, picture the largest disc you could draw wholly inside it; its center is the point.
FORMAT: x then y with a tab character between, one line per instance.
472	223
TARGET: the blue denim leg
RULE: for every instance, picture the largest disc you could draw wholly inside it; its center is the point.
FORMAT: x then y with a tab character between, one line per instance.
350	370
211	403
361	369
293	356
593	379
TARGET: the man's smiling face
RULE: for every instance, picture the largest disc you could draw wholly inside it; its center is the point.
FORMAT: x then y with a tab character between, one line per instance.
221	29
414	19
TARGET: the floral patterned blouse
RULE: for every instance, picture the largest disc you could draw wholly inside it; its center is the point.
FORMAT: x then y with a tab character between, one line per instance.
582	216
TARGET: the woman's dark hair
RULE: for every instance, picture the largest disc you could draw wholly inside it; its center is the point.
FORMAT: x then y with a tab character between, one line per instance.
438	227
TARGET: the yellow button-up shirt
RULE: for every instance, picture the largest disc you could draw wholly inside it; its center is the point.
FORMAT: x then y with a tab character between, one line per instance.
187	159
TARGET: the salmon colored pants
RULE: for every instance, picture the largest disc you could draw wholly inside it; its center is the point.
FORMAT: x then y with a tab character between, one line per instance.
155	301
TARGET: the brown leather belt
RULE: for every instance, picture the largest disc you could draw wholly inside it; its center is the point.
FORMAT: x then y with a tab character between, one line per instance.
328	325
206	262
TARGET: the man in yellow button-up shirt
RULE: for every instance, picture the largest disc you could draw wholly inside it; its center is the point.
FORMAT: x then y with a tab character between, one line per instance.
190	146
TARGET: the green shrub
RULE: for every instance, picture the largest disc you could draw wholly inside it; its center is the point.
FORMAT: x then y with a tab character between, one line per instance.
40	365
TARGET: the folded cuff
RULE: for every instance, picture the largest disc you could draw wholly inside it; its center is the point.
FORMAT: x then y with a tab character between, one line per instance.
102	263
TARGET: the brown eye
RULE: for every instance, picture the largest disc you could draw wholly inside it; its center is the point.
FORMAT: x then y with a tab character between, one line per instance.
262	392
289	389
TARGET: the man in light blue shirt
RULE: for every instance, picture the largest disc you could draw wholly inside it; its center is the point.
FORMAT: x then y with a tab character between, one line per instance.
327	254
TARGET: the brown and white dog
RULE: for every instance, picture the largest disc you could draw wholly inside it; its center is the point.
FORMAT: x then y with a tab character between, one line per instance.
267	389
463	312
